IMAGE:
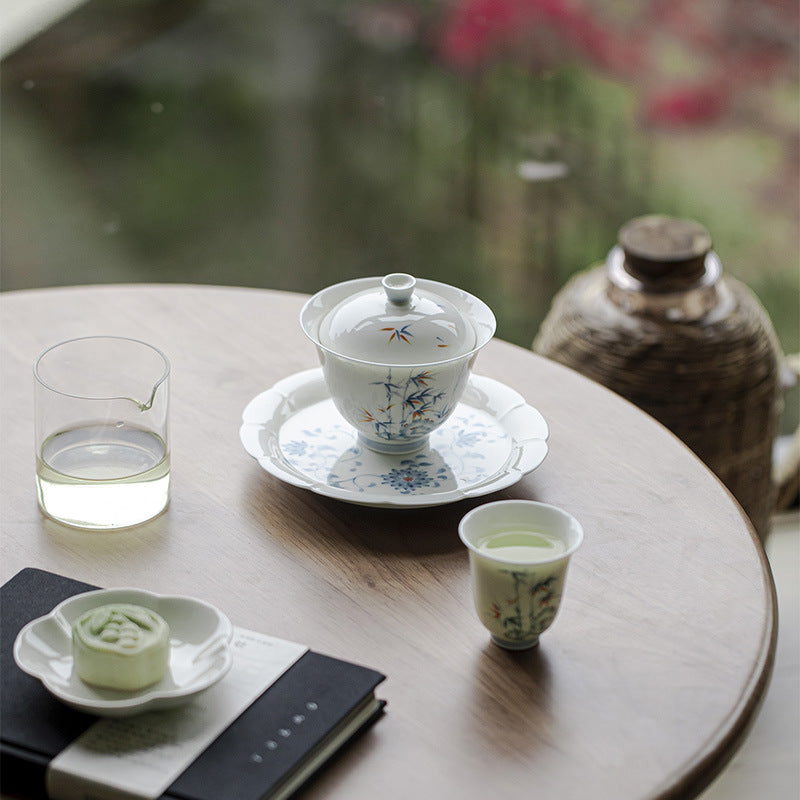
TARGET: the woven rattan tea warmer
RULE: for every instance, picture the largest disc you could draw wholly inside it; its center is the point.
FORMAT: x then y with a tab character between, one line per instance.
662	326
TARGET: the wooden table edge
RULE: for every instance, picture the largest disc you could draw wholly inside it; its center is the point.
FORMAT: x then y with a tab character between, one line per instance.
152	285
700	771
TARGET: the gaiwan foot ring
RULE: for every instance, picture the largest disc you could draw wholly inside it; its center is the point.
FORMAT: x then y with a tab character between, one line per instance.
524	644
399	447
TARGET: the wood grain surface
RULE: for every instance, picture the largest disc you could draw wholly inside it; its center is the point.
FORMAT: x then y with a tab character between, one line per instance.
643	687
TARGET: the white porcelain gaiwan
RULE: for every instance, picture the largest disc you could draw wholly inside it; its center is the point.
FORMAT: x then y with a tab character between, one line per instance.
396	353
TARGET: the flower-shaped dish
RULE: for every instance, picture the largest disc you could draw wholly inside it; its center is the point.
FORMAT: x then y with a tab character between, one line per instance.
199	652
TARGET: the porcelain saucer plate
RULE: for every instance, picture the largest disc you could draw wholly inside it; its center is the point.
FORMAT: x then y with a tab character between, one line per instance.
491	440
200	655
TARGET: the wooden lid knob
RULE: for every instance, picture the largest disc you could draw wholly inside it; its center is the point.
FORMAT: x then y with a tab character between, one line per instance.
664	252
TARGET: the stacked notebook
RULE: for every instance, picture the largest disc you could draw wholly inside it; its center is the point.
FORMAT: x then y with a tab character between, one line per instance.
269	751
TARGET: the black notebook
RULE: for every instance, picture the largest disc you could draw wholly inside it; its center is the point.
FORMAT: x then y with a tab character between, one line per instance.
36	727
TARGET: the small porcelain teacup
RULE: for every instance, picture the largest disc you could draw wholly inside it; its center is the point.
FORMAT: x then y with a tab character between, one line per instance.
518	552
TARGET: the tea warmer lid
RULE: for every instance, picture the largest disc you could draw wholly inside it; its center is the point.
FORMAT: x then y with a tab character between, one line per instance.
397	322
664	253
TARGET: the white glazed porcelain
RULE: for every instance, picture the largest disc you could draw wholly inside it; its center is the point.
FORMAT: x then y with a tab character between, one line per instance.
199	652
396	353
518	600
491	440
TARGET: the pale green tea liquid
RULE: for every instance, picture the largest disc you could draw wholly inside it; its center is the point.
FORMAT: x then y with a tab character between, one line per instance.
103	476
522	547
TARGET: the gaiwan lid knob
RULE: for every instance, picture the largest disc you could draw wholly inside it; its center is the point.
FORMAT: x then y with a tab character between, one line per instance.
396	322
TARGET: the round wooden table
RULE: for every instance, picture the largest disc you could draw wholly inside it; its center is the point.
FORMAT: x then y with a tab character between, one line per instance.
643	688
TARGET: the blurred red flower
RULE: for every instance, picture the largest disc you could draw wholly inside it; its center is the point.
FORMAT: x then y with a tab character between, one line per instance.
688	105
743	43
541	32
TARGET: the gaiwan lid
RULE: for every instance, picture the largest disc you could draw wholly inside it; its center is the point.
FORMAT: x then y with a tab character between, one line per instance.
398	320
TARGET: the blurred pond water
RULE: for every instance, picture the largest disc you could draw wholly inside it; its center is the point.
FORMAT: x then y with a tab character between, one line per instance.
494	144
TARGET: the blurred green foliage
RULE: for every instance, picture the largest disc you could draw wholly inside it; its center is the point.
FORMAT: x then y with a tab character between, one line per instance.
282	148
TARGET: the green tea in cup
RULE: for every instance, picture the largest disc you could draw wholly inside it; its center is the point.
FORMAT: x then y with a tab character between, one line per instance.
522	547
519	551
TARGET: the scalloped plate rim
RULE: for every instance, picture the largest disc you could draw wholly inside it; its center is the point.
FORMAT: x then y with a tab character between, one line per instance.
285	472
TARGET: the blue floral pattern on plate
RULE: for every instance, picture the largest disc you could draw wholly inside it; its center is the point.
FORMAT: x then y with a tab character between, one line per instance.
465	451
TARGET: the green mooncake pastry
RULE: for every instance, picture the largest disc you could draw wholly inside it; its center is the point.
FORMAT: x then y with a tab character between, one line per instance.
120	646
